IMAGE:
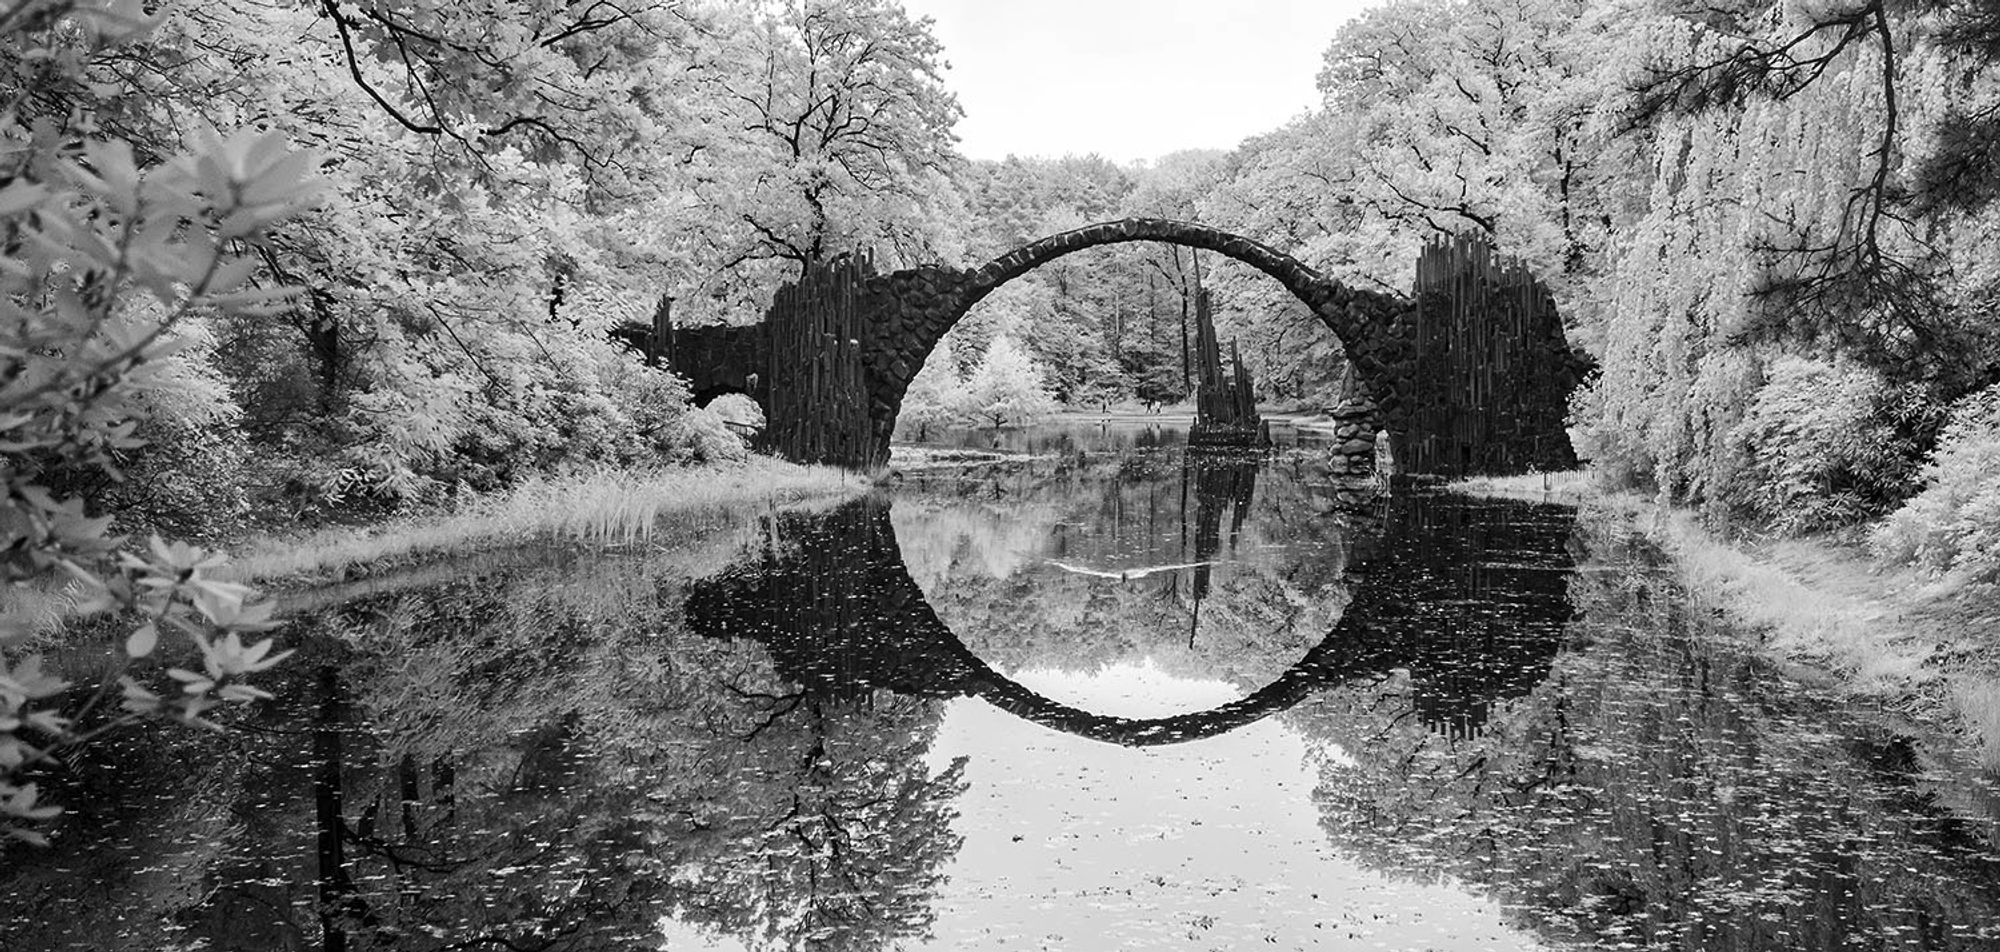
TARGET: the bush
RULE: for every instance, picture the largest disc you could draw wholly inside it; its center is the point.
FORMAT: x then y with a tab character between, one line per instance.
700	436
1953	524
188	480
108	265
1822	446
739	411
1609	442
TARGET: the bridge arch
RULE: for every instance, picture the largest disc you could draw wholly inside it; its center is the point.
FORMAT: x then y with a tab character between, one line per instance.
1305	283
1370	326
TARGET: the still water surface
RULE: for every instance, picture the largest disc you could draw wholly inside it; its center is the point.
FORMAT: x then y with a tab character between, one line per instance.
1113	697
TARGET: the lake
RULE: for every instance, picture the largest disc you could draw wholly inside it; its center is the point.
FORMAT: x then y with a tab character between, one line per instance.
1110	695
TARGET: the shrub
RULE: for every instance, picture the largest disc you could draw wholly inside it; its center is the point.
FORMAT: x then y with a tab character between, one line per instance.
700	436
1953	524
1821	445
1607	441
739	411
188	480
106	263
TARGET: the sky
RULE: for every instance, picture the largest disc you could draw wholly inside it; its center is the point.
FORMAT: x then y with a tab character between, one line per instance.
1129	79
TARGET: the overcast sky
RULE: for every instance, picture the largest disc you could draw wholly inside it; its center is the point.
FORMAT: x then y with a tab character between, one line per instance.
1128	79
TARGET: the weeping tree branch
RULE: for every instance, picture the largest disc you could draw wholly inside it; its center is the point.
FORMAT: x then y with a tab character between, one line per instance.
1868	282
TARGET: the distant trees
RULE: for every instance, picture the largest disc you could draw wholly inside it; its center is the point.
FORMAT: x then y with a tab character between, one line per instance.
1006	387
935	395
1074	314
1712	195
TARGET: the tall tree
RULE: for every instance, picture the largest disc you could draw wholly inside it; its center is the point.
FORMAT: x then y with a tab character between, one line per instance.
848	143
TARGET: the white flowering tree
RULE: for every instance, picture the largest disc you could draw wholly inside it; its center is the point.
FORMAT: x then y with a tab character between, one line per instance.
1007	388
933	400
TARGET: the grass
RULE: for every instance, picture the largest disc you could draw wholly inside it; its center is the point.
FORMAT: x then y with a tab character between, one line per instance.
602	508
1978	700
1855	636
1567	485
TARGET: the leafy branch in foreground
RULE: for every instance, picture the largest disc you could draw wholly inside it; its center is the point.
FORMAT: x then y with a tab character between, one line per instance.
103	260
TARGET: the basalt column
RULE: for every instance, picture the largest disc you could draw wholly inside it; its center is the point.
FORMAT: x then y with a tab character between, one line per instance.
818	409
804	364
1225	404
1487	383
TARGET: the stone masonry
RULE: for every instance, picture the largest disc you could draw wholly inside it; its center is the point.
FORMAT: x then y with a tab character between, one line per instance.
902	316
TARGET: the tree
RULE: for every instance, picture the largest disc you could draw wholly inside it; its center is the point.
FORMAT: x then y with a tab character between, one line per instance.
935	394
1007	388
1473	117
1848	258
848	143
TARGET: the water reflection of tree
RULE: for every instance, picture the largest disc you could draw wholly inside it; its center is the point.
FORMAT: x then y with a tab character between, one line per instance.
537	759
1660	791
829	833
1283	536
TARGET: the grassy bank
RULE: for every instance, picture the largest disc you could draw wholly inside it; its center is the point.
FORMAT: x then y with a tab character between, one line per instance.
1925	647
603	508
1126	413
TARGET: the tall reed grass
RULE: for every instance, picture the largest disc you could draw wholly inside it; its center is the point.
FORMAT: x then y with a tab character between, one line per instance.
599	508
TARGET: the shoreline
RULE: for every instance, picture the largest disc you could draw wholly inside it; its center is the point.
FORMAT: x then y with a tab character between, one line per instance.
1184	415
1924	651
608	508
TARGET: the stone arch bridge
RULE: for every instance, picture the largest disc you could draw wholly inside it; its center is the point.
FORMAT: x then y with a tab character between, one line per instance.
834	358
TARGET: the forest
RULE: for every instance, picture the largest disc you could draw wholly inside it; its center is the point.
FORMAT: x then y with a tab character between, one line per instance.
272	264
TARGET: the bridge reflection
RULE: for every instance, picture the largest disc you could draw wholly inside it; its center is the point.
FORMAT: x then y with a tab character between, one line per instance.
1470	596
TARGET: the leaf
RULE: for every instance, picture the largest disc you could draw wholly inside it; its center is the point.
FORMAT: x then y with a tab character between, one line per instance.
29	837
20	196
121	21
231	274
142	640
286	180
222	602
113	163
14	631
